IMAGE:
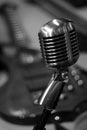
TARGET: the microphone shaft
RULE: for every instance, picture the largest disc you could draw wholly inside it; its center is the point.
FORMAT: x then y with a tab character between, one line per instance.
52	93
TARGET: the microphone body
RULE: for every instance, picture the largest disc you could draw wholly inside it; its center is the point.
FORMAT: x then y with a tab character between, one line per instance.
60	49
59	43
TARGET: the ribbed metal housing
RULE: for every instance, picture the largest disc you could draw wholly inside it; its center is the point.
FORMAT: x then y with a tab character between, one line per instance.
60	46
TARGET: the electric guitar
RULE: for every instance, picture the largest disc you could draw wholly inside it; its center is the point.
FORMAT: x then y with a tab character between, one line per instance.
18	99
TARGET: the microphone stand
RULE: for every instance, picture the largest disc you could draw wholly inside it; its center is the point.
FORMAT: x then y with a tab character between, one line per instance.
51	96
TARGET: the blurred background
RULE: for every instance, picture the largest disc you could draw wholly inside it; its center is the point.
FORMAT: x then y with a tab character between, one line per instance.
23	75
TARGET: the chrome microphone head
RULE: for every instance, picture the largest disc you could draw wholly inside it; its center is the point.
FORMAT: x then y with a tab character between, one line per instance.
59	43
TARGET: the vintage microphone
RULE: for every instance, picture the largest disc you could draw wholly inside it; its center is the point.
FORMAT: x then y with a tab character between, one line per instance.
60	49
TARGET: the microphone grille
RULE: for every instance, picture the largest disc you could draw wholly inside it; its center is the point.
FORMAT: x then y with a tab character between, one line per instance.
59	44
